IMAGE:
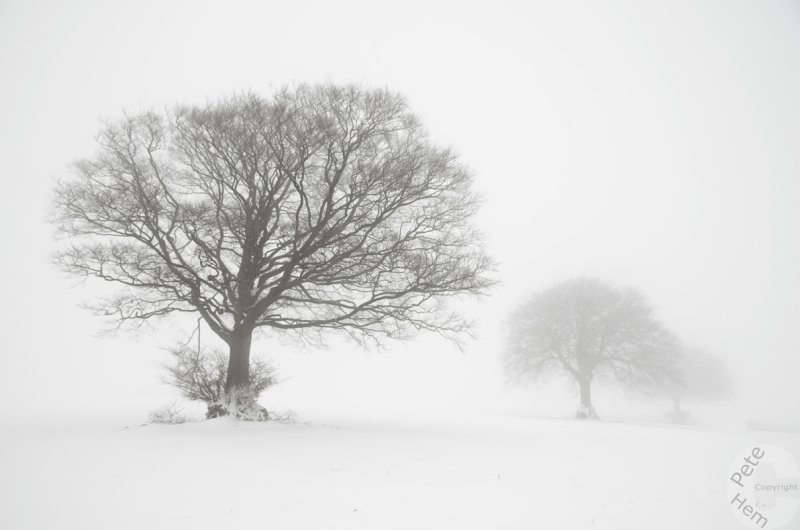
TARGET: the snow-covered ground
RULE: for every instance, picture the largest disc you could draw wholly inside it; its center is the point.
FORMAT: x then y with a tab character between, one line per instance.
477	472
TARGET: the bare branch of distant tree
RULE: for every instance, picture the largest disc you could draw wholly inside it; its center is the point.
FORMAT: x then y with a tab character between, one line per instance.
701	376
589	330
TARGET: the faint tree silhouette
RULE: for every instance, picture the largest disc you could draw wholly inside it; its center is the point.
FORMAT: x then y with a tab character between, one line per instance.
590	331
701	376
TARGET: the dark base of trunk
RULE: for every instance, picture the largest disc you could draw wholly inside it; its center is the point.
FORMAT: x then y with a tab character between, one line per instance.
586	412
251	413
238	404
678	415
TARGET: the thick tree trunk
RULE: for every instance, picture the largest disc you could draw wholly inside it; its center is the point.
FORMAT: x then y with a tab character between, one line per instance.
238	400
586	410
239	360
678	414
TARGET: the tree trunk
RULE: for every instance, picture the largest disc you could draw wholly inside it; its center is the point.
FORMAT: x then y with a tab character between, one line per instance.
586	410
678	414
238	400
239	360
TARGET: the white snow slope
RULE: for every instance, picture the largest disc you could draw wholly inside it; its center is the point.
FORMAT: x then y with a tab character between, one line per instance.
474	473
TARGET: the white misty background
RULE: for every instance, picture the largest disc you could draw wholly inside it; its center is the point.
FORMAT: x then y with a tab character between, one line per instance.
651	144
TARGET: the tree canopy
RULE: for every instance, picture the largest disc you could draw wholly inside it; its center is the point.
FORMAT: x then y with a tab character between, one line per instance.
320	207
589	330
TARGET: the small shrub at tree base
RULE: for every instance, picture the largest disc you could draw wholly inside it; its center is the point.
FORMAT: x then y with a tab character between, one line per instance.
241	404
168	414
200	376
287	416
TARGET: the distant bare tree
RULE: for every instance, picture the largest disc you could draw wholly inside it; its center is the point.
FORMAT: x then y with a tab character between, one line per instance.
702	376
589	330
320	208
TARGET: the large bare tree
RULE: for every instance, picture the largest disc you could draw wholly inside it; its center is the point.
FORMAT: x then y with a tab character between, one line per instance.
319	208
589	330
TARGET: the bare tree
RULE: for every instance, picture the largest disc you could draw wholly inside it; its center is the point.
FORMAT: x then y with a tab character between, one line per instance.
200	374
589	330
702	376
319	208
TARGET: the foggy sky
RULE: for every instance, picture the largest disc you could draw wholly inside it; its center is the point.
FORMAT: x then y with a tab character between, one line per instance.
654	144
